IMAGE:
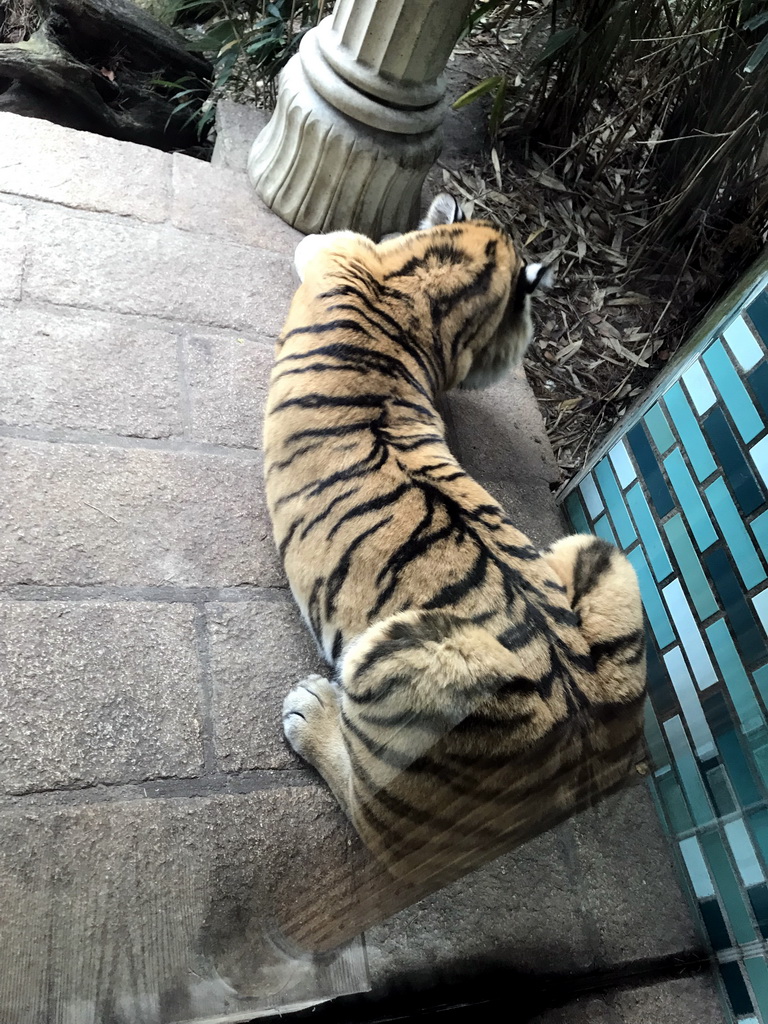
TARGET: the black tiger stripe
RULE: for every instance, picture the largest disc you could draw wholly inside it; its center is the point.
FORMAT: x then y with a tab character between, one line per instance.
374	505
631	646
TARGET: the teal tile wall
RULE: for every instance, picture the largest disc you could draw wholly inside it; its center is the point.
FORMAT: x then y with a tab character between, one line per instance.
684	493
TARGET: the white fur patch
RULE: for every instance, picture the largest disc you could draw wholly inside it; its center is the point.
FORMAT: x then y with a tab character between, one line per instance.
311	245
537	279
443	209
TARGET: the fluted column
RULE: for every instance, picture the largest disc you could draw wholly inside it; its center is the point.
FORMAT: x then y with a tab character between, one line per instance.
358	119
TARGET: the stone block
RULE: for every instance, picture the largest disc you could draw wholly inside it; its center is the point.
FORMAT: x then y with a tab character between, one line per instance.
91	514
530	507
97	693
627	880
227	379
258	650
74	370
523	909
13	238
164	910
100	262
42	160
237	125
222	202
498	433
674	1001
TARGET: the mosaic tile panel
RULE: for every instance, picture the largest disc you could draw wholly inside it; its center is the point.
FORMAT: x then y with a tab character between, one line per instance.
684	493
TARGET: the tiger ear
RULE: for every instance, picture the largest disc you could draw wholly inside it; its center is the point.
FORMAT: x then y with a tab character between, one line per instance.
444	209
537	277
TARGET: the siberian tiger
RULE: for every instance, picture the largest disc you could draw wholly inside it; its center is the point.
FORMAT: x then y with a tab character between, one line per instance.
482	689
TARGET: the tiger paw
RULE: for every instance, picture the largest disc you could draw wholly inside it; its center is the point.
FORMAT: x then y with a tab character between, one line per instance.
310	713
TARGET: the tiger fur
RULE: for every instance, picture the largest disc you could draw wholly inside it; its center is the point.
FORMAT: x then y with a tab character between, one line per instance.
480	686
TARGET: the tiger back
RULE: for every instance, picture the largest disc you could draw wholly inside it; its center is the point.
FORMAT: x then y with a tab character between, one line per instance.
482	689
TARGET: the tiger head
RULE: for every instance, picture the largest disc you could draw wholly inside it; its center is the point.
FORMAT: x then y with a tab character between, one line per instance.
455	284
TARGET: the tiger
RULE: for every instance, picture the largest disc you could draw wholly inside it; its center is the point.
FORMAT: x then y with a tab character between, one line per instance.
480	689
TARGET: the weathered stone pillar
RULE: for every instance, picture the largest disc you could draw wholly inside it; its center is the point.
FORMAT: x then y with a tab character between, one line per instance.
357	122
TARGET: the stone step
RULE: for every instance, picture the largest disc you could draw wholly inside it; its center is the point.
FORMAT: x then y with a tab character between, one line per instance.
147	798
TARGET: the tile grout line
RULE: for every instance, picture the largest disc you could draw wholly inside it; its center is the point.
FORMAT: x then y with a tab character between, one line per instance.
217	783
171	594
205	690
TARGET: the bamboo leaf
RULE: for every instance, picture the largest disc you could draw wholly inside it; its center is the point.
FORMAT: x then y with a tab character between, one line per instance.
758	56
556	42
487	85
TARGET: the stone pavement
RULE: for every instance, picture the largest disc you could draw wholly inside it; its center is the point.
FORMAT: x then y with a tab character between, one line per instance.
153	820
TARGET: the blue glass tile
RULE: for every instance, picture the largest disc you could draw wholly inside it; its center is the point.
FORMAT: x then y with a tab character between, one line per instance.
760	675
699	388
732	391
659	686
650	470
758	380
654	608
759	527
694	442
757	972
591	496
698	872
690	704
673	801
742	343
622	464
614	501
690	566
690	500
603	529
690	636
695	793
728	888
720	790
744	853
658	428
723	729
714	922
748	492
735	534
760	603
575	511
736	679
735	986
759	453
654	741
744	628
649	533
758	821
757	312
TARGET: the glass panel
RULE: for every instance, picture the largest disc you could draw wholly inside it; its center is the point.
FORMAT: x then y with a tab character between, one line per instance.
576	514
688	631
742	343
735	986
671	796
686	765
698	872
736	679
650	470
746	633
744	853
728	888
690	500
694	442
699	388
654	608
690	704
732	392
748	493
757	972
658	428
649	533
690	566
731	522
591	496
615	503
622	463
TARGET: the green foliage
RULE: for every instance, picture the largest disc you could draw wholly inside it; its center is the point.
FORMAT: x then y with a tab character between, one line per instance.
248	41
684	85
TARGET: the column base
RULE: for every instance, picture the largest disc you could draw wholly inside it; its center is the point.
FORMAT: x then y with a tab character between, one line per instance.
322	170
